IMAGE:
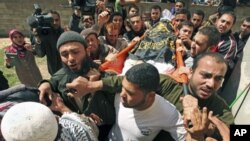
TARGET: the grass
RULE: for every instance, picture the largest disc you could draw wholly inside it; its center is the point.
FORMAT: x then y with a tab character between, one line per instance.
10	74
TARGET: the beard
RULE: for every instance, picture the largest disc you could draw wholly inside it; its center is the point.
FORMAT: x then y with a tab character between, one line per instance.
135	105
198	92
87	63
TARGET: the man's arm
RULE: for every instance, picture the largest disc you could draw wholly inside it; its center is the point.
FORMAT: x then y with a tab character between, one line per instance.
45	90
221	126
81	86
229	49
74	21
39	45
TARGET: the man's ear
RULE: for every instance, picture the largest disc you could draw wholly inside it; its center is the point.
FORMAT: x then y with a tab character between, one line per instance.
151	94
177	32
190	74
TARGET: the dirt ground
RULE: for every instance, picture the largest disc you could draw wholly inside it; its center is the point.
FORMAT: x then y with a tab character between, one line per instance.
41	62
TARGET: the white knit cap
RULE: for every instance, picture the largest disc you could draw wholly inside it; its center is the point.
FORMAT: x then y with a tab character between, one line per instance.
29	121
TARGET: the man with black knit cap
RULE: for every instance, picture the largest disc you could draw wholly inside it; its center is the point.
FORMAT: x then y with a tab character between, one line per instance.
72	49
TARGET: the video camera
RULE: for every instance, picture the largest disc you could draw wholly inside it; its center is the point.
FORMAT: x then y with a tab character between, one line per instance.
87	6
41	21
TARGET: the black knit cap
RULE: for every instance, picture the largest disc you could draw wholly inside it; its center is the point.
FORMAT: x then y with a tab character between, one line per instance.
70	36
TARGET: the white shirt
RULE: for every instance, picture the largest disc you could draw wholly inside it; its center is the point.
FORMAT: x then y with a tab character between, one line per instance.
189	62
134	125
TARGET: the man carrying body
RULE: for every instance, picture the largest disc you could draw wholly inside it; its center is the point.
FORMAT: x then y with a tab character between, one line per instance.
138	107
184	32
137	28
204	39
181	16
206	78
154	17
72	49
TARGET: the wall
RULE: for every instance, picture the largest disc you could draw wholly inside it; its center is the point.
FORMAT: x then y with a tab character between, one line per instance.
14	13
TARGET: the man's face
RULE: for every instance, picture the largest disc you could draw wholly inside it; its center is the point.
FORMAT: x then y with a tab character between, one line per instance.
186	31
118	20
207	78
132	11
132	96
196	20
178	6
155	14
136	23
245	28
199	44
87	21
72	55
180	18
224	23
93	43
112	36
56	21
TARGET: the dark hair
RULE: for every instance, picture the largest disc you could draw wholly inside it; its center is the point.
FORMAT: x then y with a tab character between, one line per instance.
200	13
115	14
111	8
135	15
212	33
54	12
228	13
93	16
247	19
181	1
218	58
225	8
144	75
110	26
185	23
133	6
156	7
184	11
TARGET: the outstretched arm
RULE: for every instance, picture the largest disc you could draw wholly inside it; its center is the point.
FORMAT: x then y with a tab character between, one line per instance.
81	87
221	126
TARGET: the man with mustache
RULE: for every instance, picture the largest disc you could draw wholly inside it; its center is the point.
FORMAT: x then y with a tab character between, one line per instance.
227	45
140	113
242	36
206	38
72	50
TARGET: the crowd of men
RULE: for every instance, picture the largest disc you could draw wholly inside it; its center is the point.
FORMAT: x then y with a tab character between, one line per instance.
143	102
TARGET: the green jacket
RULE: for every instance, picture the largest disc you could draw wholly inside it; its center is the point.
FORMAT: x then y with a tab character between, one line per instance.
100	104
172	91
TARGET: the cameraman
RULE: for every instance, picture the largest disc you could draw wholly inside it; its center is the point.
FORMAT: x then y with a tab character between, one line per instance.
45	42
